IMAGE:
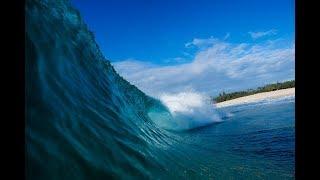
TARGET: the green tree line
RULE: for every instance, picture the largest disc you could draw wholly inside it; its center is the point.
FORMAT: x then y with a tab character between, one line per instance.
267	88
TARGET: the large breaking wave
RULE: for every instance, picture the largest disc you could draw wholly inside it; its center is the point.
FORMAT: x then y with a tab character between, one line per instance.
84	121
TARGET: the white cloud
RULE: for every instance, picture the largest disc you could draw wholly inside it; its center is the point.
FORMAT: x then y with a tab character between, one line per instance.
201	43
176	60
220	66
226	36
256	35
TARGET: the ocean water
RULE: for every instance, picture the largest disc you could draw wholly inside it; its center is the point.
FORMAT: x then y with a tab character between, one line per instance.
253	141
84	121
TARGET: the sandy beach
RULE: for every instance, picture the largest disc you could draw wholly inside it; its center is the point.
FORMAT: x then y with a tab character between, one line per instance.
258	97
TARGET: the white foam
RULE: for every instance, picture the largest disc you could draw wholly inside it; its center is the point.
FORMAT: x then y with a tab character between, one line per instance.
190	109
183	102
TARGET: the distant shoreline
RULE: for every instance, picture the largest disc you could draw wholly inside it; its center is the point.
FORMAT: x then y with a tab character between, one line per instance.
258	97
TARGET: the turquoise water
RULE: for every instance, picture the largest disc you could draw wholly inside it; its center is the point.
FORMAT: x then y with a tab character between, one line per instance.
84	121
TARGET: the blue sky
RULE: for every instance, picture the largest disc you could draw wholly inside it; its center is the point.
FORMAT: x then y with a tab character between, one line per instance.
152	37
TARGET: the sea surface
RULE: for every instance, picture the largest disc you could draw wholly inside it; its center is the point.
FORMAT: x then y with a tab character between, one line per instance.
84	121
254	141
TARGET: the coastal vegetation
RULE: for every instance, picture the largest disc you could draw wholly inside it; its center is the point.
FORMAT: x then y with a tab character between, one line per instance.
267	88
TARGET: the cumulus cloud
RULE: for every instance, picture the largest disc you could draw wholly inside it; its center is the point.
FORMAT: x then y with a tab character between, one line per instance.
219	66
256	35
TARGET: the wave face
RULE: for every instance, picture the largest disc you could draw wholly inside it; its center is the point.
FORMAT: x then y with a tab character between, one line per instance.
84	121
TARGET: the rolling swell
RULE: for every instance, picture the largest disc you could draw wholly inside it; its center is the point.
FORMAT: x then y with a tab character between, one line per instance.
84	121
